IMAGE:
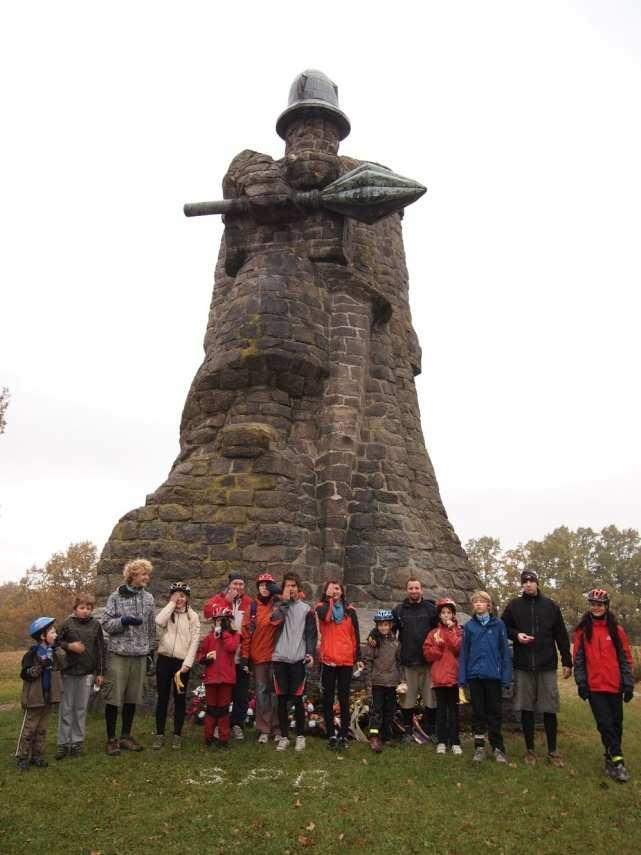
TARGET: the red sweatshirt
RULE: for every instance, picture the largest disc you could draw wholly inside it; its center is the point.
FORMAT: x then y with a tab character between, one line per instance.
444	657
222	669
598	658
258	635
339	644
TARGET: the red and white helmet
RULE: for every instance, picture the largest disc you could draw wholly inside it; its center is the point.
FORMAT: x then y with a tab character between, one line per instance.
264	577
219	612
598	595
446	601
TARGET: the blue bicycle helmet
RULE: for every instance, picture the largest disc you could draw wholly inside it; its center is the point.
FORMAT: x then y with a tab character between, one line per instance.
40	625
383	614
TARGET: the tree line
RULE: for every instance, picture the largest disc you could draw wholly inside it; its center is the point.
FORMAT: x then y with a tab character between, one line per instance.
568	563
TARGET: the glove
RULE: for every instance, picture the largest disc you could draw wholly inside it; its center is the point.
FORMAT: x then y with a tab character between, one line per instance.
584	692
178	683
130	620
628	694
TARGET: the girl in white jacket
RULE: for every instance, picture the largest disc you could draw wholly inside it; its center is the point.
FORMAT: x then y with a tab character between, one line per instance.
179	634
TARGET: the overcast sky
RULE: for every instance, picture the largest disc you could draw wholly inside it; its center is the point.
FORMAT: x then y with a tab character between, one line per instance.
523	120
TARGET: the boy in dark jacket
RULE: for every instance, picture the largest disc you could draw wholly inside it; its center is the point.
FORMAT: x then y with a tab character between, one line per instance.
385	675
485	665
82	639
535	626
40	673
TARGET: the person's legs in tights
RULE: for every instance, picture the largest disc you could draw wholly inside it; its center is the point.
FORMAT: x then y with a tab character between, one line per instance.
551	727
527	723
328	680
111	720
164	679
344	682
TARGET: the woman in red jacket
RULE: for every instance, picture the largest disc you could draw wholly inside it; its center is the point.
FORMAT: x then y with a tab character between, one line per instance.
339	651
216	652
441	647
604	676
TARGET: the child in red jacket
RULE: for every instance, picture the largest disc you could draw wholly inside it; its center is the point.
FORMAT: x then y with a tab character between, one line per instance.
604	676
441	647
217	652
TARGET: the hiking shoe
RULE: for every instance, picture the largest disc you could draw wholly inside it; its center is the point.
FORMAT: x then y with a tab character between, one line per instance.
555	759
499	756
456	749
529	758
407	739
441	748
479	754
23	764
332	742
159	741
128	743
263	739
113	747
375	744
237	732
282	744
177	742
62	752
76	749
343	743
621	774
300	743
39	762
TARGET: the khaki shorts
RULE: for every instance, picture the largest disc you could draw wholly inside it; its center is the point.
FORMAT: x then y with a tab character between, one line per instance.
536	691
124	680
419	682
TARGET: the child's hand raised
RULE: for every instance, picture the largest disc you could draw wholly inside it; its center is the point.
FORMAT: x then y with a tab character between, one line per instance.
211	654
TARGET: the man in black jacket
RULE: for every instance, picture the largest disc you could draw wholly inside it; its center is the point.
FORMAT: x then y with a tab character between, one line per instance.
413	619
535	626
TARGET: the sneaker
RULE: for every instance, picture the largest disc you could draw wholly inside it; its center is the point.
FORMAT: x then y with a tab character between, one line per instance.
555	759
282	744
456	749
237	732
375	744
530	758
39	762
441	748
499	756
62	752
300	743
479	754
159	741
23	764
263	739
621	774
113	747
176	742
128	743
332	742
76	750
343	743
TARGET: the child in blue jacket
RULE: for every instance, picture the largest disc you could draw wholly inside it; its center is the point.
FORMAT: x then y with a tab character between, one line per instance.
485	665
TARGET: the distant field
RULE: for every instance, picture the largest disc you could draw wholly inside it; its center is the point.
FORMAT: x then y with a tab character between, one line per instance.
255	800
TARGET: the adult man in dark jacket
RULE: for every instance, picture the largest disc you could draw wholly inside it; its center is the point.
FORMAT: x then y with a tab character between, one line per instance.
535	626
413	619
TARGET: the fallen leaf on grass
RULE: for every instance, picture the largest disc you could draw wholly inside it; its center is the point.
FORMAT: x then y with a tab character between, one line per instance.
364	760
304	841
524	792
459	785
341	837
310	827
298	803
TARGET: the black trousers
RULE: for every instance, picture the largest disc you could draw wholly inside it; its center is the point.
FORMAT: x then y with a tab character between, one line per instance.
487	714
239	698
336	677
607	709
166	667
382	712
447	730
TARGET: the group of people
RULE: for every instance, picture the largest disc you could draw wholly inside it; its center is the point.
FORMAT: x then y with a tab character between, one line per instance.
416	650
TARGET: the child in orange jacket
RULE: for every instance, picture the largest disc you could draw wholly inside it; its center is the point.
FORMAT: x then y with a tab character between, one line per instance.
442	647
217	652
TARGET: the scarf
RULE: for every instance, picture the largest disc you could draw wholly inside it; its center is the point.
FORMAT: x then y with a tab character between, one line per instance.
483	619
338	612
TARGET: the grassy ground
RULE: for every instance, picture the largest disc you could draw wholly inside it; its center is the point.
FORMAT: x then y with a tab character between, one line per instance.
253	799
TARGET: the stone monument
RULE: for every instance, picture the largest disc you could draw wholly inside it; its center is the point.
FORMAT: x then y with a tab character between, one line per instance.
300	442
